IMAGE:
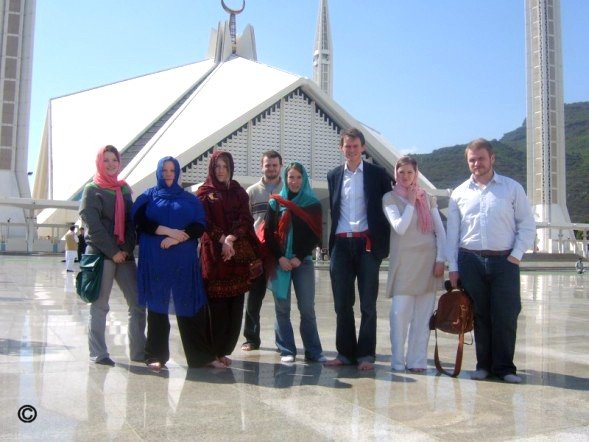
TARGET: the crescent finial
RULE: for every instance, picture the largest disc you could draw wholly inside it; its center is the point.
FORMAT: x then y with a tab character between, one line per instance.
232	11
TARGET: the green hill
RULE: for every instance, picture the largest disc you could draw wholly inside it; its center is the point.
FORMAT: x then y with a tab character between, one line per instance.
446	167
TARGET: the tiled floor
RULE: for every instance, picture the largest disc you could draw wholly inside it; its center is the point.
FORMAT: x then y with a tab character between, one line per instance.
43	363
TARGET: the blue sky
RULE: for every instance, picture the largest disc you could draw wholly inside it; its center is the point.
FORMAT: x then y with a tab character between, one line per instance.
426	74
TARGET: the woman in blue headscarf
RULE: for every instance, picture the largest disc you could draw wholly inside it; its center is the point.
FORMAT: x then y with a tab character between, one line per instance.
292	230
169	221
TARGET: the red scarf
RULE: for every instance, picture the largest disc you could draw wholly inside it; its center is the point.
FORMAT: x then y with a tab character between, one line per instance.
314	222
111	182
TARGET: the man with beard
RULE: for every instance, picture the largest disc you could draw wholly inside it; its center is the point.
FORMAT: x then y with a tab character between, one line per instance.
490	227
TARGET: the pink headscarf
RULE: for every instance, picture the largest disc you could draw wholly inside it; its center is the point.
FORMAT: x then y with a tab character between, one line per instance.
111	182
424	217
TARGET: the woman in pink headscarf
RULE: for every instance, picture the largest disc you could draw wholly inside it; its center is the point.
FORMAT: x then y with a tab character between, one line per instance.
416	264
106	209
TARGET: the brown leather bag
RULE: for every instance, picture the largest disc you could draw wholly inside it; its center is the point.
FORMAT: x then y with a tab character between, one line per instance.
454	315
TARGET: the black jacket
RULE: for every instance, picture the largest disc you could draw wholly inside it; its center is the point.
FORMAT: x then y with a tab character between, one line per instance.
377	182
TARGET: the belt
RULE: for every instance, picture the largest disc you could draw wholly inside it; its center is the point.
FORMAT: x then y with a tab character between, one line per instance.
363	234
485	253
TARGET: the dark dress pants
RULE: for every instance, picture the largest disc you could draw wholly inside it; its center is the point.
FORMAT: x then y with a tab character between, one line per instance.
493	283
350	262
251	328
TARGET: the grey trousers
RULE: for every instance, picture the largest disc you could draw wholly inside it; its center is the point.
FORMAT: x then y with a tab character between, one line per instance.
125	274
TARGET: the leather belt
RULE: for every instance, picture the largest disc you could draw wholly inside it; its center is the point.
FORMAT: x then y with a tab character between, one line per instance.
485	253
363	234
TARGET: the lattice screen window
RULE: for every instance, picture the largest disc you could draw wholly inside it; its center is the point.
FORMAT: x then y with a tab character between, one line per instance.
326	152
310	137
297	129
265	130
197	171
236	144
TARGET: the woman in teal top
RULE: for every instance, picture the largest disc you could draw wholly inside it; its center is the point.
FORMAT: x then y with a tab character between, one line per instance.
292	230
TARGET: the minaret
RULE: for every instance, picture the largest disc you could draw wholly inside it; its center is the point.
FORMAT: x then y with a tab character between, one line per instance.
17	23
322	56
546	169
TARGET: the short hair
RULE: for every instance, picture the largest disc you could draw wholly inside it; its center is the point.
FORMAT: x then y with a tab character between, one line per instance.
352	132
270	154
479	143
406	159
72	228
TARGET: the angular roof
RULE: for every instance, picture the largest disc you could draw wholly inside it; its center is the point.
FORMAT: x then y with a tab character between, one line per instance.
78	124
228	102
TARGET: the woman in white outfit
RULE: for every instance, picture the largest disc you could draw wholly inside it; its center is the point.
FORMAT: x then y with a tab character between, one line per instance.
416	264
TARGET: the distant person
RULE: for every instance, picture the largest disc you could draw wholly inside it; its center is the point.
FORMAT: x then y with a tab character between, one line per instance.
490	227
292	229
358	242
318	255
259	194
105	209
228	246
81	243
416	265
71	247
169	221
579	266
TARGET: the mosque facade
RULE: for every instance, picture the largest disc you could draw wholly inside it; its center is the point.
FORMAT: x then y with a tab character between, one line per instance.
229	101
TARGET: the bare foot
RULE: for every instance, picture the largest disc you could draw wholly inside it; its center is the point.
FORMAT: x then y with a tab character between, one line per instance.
334	363
248	346
225	360
365	366
215	364
154	365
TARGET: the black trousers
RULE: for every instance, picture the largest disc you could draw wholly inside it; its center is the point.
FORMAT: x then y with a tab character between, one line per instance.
225	319
251	328
194	333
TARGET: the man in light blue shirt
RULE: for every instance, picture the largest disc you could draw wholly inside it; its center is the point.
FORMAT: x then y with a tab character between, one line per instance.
490	227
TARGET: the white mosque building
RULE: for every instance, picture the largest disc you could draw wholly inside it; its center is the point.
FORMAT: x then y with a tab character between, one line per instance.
229	101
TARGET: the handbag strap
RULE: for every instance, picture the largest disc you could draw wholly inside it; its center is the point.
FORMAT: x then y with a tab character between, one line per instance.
459	350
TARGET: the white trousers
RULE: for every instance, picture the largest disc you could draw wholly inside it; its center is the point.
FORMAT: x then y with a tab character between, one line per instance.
409	320
70	257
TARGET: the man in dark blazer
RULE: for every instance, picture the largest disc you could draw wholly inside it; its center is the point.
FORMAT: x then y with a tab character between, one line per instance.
358	242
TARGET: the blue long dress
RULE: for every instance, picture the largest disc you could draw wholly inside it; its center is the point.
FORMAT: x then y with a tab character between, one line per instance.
168	280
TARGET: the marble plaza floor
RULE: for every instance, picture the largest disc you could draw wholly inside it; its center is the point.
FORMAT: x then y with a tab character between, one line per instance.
43	364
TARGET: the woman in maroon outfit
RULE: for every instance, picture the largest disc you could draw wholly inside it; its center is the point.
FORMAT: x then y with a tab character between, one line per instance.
228	248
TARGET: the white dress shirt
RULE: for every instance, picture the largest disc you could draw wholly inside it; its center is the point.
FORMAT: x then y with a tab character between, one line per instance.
497	216
353	205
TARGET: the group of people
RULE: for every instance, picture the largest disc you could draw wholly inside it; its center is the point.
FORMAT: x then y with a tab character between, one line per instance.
200	254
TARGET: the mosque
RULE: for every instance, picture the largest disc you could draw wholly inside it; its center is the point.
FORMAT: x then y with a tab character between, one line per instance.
229	101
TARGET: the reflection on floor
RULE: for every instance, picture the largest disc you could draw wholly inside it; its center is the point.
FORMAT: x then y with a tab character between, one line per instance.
43	363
